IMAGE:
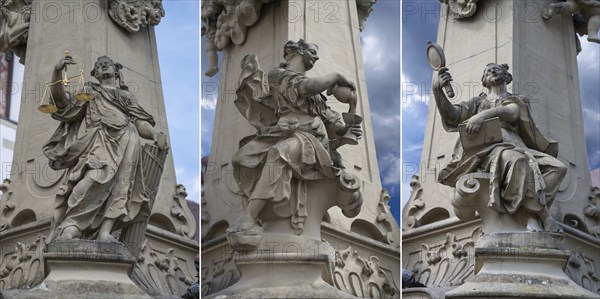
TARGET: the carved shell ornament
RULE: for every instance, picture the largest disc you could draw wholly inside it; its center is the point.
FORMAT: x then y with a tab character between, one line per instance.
460	9
135	14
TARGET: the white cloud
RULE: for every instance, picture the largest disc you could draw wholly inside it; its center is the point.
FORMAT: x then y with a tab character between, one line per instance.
209	102
391	169
589	58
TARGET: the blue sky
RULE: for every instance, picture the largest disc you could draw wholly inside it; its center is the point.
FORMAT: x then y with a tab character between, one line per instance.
420	21
178	38
381	54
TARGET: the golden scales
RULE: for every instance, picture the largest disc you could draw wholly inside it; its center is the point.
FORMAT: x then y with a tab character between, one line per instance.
83	96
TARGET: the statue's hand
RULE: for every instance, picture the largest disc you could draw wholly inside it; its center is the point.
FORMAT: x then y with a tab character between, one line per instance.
441	79
356	130
345	82
474	124
161	140
63	62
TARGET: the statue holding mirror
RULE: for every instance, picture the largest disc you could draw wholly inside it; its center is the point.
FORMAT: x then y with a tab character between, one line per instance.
498	137
100	143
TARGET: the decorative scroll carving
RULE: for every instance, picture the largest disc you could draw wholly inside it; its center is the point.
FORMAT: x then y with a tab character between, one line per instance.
185	223
219	275
24	267
14	26
363	278
581	269
592	210
135	14
414	205
450	263
460	9
7	206
161	274
385	218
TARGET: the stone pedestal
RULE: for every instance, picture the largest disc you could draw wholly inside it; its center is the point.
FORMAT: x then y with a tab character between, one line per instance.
285	266
520	265
85	269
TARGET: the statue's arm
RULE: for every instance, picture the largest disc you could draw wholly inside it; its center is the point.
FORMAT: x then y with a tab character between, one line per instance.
145	129
508	113
314	86
450	113
57	90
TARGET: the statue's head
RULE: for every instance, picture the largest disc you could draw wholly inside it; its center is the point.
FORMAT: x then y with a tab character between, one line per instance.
106	68
495	75
308	52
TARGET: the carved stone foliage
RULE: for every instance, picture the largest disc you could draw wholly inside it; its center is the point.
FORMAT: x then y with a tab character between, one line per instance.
7	206
581	269
363	278
414	205
185	223
385	218
448	264
460	9
135	14
14	26
24	267
592	211
162	274
218	275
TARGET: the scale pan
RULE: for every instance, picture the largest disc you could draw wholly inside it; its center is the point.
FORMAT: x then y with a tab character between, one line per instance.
435	56
84	96
47	108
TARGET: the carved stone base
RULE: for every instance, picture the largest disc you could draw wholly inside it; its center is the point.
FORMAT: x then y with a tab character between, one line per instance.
520	265
285	266
84	269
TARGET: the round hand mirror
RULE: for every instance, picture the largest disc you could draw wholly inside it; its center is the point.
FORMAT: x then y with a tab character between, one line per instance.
437	61
435	56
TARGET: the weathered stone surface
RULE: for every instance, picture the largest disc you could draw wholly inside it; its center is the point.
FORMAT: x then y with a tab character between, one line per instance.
521	265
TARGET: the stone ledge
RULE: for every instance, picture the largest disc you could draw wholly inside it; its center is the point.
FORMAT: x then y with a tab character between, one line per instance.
88	250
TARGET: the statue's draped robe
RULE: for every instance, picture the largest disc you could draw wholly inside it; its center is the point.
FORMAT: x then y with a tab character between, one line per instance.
100	138
274	164
523	167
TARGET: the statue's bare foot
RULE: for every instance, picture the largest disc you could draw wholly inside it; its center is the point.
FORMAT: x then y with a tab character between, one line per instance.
212	71
106	237
533	225
69	233
552	226
244	223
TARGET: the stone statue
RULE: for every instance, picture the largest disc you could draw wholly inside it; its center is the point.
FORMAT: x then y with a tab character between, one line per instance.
524	174
14	26
99	144
586	10
297	135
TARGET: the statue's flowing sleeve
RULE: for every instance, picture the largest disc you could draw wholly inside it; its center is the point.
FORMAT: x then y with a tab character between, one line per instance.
59	149
465	111
138	113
